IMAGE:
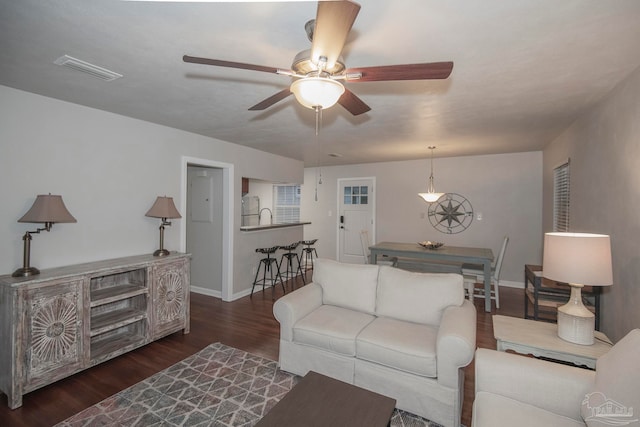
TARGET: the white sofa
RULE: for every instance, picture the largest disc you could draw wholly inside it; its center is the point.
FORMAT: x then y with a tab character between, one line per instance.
514	390
401	334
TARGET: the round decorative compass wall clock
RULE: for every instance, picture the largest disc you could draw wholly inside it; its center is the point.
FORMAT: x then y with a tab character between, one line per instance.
451	214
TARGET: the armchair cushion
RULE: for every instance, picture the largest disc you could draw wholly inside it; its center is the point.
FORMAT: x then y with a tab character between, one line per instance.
617	382
417	297
410	347
552	387
496	410
350	286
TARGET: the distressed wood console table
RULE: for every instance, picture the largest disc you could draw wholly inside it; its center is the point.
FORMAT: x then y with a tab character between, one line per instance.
67	319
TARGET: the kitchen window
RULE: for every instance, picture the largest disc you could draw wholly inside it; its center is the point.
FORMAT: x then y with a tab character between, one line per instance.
286	204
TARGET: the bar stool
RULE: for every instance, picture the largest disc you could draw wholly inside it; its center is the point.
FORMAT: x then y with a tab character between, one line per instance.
291	255
265	264
307	252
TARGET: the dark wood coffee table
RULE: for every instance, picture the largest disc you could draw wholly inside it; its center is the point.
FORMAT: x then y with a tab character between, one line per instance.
320	401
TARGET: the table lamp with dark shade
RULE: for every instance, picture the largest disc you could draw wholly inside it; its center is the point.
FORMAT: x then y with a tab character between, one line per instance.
47	209
163	208
578	259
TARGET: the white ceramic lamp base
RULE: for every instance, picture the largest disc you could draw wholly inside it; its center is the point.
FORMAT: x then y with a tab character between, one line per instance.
575	322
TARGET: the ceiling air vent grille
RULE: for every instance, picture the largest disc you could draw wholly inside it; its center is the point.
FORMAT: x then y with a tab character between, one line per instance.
87	68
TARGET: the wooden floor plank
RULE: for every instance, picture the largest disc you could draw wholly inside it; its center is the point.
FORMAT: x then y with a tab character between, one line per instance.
247	324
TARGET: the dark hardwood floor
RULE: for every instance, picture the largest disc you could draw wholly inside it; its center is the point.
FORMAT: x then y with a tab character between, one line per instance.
247	324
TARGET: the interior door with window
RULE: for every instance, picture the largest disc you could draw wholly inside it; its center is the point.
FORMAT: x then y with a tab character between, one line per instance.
356	212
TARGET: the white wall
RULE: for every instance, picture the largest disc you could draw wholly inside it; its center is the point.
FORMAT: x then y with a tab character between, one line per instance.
506	188
604	148
109	170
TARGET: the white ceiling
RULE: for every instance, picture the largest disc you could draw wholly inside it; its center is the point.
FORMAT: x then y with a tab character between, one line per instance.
523	69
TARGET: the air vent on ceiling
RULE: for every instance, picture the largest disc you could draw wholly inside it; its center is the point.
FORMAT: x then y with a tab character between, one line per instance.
85	67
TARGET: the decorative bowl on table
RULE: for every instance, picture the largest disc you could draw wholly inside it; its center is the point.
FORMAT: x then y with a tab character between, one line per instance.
430	245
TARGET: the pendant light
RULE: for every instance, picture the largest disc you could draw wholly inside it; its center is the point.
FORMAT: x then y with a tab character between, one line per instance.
431	196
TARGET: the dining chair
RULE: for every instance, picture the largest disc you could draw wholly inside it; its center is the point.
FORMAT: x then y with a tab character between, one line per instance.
473	274
381	260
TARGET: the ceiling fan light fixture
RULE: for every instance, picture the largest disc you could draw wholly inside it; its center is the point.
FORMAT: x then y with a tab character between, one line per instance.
315	92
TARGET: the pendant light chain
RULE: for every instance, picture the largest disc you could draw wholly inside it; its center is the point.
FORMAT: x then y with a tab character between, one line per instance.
431	188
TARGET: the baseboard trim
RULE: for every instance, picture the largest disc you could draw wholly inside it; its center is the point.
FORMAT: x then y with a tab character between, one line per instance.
218	294
206	291
511	284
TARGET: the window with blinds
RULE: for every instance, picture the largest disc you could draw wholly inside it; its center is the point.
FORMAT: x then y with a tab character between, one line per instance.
286	204
561	198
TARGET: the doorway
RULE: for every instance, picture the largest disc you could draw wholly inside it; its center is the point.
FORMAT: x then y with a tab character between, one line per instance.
356	212
207	200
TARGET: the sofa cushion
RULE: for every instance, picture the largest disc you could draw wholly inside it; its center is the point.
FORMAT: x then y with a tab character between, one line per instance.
494	410
331	328
347	285
417	297
407	346
616	386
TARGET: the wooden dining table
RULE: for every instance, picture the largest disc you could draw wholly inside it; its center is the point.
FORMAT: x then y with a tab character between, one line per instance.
461	254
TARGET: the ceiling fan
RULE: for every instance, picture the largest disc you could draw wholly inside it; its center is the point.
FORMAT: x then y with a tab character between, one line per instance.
317	72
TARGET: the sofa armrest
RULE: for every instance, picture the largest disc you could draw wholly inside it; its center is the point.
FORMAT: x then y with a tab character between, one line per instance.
456	342
547	385
296	305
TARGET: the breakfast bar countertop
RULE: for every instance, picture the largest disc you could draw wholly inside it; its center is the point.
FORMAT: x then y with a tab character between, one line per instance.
270	226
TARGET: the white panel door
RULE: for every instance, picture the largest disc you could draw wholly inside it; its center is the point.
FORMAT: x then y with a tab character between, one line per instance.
356	206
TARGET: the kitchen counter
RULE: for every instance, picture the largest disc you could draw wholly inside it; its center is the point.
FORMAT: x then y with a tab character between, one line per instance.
270	226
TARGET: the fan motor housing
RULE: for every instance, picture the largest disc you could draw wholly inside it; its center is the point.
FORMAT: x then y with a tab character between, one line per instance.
302	64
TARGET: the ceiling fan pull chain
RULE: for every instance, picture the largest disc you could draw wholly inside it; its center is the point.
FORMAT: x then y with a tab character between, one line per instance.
318	109
318	124
318	180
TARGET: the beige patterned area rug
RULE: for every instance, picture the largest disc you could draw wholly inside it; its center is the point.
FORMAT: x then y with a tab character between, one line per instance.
219	386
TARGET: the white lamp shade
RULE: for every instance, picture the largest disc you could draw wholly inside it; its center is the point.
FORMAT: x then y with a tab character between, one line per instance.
317	91
579	258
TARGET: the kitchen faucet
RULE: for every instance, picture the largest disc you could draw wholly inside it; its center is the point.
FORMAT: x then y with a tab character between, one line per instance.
270	215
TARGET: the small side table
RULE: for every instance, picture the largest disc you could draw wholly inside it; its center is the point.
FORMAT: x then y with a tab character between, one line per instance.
541	339
545	296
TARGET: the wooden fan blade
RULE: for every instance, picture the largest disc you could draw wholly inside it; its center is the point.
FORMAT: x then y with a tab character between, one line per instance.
334	20
271	100
352	103
230	64
426	71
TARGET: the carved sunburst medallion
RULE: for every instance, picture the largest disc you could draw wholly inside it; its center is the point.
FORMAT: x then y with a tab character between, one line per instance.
451	214
170	296
54	330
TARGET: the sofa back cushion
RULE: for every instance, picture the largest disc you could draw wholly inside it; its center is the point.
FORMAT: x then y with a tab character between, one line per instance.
615	396
417	297
350	286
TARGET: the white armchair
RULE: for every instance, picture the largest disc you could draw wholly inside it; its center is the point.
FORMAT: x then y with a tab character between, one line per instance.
513	390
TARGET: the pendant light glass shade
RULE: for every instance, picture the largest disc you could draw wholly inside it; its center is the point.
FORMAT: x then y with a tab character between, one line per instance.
431	196
317	91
